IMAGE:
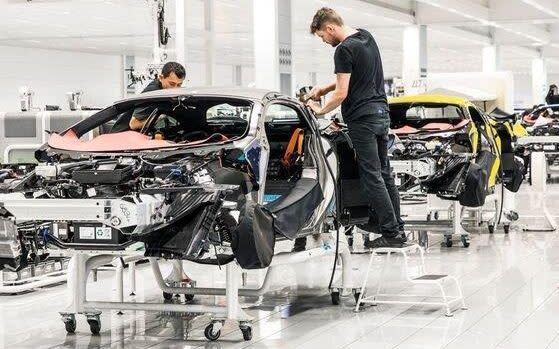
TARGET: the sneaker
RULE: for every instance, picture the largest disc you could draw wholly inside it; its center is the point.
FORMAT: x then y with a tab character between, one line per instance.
394	242
402	236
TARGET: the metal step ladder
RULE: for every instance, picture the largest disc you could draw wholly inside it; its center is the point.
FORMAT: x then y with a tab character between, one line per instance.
439	281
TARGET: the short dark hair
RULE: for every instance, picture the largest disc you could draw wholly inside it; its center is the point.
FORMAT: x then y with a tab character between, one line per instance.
323	16
173	67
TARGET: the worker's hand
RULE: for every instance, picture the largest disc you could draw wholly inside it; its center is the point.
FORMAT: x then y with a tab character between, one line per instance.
316	93
316	108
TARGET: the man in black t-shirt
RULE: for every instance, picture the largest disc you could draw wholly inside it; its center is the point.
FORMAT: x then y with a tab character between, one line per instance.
552	97
172	76
359	89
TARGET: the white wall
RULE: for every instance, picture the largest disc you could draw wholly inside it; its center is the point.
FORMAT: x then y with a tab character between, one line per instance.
52	73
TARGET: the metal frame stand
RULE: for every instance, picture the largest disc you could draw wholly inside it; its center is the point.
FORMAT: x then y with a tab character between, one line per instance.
538	175
83	262
447	227
422	278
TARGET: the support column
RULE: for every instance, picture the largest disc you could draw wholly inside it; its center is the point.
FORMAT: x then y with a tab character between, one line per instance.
210	40
414	63
272	46
237	75
490	59
539	80
180	32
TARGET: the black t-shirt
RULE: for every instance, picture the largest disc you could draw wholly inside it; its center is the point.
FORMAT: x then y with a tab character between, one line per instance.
359	55
153	86
122	123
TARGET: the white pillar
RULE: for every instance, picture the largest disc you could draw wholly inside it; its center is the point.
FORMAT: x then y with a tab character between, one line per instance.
210	40
180	32
414	63
490	59
539	81
266	44
237	75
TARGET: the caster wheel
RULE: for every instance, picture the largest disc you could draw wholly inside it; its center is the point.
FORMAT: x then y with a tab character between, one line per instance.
94	326
70	324
436	216
335	297
448	241
429	217
506	228
167	296
465	241
189	297
513	216
210	334
247	333
423	239
491	229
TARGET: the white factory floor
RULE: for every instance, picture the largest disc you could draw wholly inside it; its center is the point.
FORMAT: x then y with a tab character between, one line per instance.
510	284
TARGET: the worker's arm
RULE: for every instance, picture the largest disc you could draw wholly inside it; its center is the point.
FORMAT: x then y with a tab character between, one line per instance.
135	124
139	117
340	93
319	91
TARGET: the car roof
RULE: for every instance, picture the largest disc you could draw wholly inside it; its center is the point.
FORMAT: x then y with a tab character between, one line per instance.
235	92
426	98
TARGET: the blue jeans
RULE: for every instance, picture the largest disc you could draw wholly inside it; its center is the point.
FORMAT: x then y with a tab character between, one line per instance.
369	135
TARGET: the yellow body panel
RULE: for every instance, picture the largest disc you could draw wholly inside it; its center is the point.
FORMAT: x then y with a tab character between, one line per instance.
430	99
473	131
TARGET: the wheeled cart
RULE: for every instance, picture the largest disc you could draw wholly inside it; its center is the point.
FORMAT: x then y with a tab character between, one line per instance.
83	262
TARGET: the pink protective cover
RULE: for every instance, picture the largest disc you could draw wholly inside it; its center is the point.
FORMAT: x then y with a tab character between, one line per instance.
405	130
433	126
128	140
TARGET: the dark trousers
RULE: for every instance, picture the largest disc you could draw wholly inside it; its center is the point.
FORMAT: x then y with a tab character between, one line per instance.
369	135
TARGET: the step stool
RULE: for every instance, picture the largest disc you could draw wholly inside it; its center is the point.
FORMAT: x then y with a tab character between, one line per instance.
423	278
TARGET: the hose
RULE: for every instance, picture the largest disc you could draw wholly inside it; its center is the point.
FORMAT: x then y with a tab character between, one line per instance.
338	201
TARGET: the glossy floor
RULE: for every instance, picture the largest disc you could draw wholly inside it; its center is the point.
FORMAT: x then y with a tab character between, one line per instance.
510	283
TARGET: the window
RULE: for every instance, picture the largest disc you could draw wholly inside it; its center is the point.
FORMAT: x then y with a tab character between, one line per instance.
422	112
228	111
280	112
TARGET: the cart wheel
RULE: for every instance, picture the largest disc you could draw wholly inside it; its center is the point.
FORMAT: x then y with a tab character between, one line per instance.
423	239
335	297
506	228
70	323
167	296
491	228
188	297
247	332
94	325
448	240
428	217
513	216
210	334
436	215
466	241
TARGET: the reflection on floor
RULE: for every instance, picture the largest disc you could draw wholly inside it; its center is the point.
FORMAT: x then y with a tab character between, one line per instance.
510	283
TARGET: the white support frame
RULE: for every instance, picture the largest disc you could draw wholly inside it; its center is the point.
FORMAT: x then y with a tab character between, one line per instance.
83	262
538	176
423	278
